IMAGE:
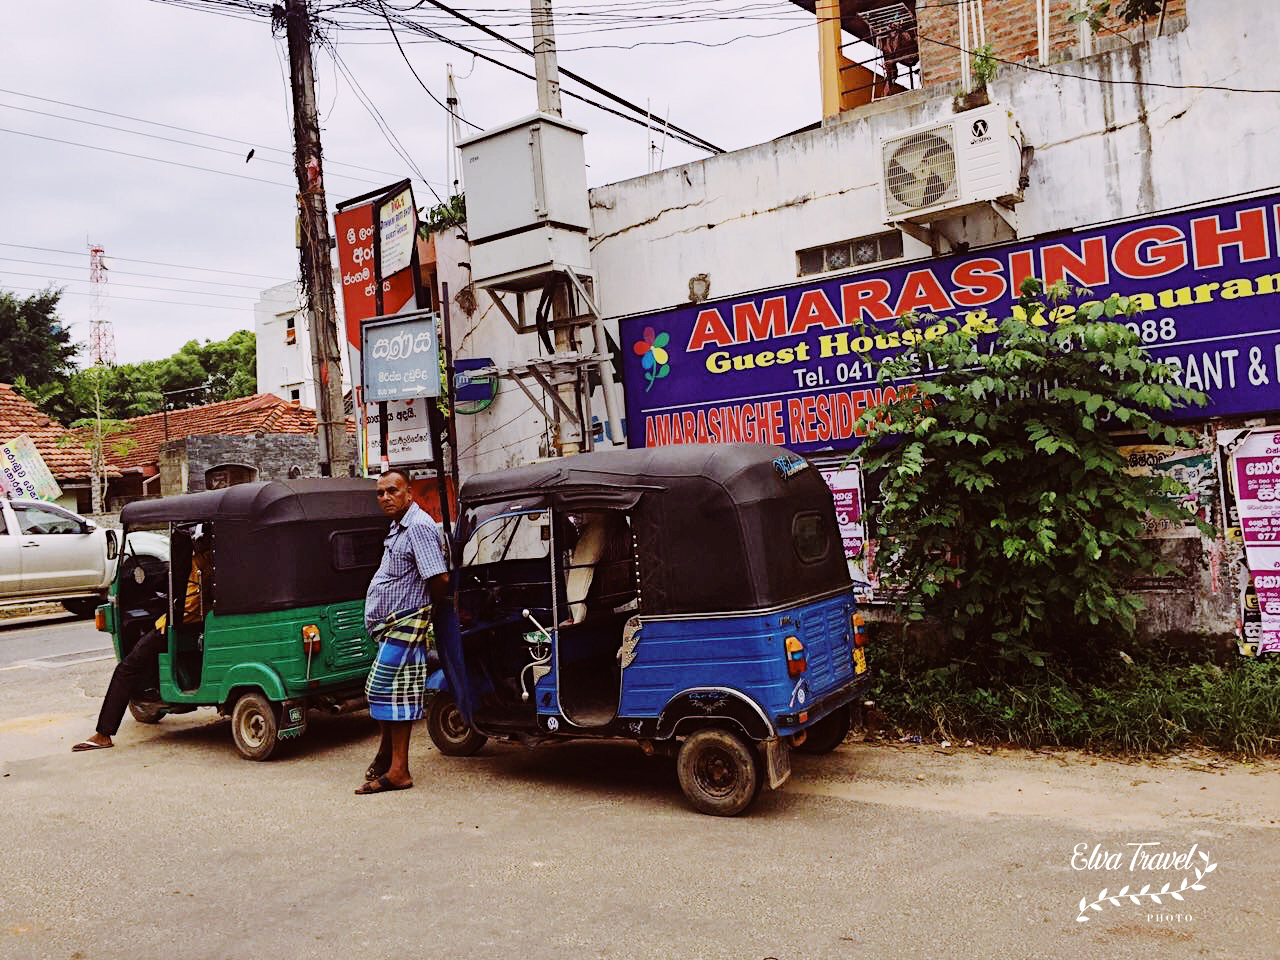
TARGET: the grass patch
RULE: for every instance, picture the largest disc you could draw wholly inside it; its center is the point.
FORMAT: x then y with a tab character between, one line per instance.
1150	706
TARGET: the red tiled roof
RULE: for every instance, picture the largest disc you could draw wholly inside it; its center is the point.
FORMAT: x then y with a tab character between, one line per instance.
242	417
66	457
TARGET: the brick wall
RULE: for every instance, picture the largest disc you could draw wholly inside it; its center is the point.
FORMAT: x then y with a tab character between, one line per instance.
1011	31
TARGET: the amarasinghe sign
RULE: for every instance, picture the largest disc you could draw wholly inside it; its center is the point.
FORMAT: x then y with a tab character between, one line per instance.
400	357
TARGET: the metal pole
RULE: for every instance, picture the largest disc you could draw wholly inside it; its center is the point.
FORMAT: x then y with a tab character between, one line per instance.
315	258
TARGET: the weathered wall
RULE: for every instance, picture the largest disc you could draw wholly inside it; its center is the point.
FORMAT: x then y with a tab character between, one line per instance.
272	455
1117	134
1105	148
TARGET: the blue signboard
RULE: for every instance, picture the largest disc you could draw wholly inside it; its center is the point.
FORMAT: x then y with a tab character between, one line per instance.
400	357
797	366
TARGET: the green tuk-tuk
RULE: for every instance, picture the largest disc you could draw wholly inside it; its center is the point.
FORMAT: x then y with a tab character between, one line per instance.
284	629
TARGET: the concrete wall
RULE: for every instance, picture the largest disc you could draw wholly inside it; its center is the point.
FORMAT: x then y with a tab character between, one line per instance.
272	455
285	367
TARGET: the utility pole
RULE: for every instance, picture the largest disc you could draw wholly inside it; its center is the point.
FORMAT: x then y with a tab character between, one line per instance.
315	258
102	348
547	73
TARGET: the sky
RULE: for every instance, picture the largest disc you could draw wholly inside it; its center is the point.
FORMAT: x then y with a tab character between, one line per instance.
207	230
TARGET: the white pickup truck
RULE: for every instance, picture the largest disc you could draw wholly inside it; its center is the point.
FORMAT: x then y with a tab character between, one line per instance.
48	553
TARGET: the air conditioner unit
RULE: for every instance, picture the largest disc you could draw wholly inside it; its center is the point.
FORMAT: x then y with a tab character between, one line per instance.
944	169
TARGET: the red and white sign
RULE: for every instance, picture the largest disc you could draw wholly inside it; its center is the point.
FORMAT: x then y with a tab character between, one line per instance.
846	490
355	230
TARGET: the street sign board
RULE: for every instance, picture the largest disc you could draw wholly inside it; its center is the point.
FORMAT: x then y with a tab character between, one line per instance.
400	357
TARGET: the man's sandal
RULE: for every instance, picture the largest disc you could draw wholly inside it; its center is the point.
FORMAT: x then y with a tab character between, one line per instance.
382	785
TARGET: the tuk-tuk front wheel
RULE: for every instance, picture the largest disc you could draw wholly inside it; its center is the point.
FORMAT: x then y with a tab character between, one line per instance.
719	772
448	731
254	726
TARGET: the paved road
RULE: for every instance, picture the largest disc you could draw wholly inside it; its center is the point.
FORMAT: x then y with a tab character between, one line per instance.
170	845
57	637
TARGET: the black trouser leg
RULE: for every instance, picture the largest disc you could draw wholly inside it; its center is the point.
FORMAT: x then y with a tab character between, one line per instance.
129	678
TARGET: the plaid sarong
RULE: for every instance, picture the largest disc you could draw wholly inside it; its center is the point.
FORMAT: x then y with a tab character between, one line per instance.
398	677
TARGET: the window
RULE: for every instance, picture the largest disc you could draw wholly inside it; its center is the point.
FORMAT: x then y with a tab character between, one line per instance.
512	536
290	329
357	549
809	534
228	475
849	253
42	520
295	396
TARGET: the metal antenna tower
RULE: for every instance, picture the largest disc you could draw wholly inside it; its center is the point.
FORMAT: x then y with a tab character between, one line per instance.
102	348
102	338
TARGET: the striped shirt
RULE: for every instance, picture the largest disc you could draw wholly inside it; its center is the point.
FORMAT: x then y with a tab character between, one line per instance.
412	553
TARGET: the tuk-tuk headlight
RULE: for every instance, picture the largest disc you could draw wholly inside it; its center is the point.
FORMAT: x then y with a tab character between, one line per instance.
796	662
311	639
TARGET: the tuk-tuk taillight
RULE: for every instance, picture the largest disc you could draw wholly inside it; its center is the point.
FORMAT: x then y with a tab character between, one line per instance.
310	639
796	662
100	620
859	629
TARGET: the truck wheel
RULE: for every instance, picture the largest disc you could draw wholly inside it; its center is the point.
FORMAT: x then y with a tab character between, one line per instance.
82	608
719	772
147	712
828	733
254	726
448	731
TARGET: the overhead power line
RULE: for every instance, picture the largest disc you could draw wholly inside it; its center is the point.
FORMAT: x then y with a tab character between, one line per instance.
134	273
179	303
136	286
153	263
685	134
198	133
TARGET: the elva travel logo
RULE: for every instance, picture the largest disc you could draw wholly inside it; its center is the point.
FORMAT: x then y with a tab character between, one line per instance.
654	360
1144	859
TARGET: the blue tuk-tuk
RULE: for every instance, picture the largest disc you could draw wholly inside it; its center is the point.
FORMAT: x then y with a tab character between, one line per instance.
694	598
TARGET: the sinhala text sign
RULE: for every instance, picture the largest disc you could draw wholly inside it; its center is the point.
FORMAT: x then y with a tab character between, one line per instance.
796	366
400	357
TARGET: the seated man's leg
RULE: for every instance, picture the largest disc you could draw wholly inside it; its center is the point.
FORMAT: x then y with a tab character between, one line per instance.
128	679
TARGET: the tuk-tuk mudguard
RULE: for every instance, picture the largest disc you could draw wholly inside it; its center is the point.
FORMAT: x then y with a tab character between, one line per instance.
255	675
691	708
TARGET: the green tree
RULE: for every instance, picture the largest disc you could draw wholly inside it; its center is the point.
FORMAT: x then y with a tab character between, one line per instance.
200	372
34	345
1008	513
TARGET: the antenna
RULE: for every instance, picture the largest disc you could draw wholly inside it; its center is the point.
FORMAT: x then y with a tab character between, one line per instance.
102	338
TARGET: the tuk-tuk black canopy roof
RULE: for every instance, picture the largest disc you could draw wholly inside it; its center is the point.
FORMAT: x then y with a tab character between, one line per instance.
280	544
265	503
715	525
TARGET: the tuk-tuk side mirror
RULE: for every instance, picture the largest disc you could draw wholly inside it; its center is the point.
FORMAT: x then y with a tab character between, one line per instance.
113	545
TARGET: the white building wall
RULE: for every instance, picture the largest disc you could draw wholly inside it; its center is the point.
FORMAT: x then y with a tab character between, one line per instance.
1105	149
284	361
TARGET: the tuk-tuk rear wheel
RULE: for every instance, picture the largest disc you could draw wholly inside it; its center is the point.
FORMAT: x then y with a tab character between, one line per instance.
254	726
448	731
828	733
719	772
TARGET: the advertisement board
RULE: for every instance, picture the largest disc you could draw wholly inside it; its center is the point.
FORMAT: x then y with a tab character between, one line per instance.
797	365
401	358
23	472
1255	469
355	229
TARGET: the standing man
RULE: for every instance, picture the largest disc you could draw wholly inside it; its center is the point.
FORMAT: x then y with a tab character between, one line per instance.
412	578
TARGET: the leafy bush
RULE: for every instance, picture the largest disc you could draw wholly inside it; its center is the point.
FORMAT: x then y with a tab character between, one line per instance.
1009	515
